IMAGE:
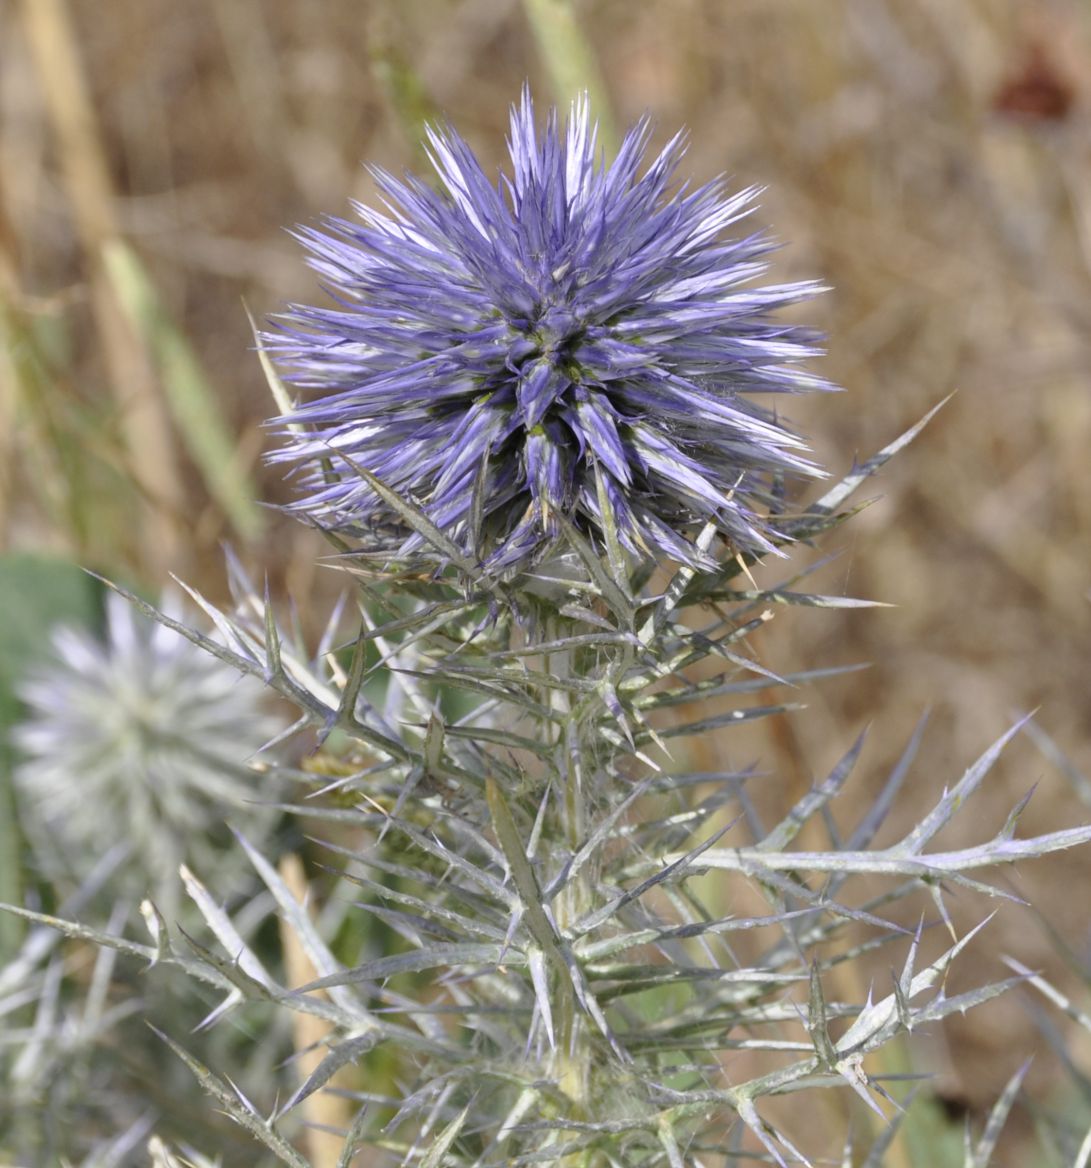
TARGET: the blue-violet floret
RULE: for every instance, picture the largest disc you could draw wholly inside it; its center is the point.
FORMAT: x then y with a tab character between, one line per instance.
574	337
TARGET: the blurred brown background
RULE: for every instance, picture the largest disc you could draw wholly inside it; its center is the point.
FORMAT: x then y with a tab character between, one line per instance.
929	159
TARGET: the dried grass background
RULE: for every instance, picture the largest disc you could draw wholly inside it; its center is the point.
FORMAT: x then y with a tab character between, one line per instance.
930	159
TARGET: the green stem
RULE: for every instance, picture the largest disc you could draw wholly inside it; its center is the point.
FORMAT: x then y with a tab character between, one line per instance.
574	1053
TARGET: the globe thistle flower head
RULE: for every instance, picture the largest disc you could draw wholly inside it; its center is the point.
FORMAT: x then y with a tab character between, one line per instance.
572	338
140	737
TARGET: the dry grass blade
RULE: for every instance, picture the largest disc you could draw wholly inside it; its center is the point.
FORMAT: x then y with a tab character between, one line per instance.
49	31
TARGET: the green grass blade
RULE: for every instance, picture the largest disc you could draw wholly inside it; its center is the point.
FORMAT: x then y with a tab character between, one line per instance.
570	60
190	396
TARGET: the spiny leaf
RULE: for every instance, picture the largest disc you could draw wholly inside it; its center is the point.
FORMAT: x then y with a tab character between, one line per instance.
1049	991
800	599
611	592
343	1053
837	495
953	800
237	1107
665	606
540	981
434	1156
224	929
434	956
878	1019
876	1157
998	1116
767	1134
523	876
250	987
615	557
718	721
817	1024
720	686
786	831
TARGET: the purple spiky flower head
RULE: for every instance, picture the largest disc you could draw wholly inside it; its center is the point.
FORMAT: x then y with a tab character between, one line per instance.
575	338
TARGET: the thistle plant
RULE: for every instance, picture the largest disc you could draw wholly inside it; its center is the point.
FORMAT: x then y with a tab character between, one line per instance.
529	430
134	749
138	728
